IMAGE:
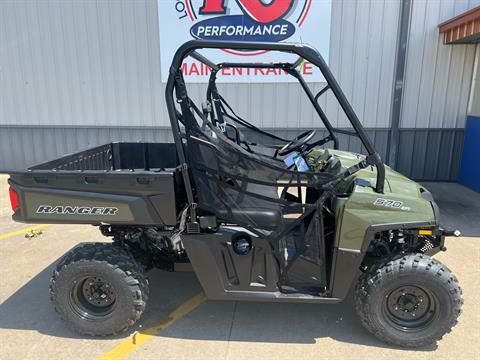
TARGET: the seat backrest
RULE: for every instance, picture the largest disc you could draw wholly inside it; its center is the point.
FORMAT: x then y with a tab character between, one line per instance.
224	188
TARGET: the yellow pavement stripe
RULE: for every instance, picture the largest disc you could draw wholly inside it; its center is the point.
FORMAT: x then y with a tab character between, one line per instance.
23	231
139	338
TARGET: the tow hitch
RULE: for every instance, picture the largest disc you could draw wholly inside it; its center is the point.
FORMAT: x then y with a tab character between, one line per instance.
455	233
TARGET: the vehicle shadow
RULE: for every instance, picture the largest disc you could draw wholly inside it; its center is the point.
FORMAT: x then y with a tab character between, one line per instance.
29	308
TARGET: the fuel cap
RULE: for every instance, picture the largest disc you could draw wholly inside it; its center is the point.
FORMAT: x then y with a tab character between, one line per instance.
242	244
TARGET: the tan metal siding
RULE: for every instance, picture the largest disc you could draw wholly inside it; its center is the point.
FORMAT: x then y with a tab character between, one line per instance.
96	63
438	76
74	62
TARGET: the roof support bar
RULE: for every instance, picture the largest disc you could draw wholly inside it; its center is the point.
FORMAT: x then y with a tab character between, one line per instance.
203	60
313	100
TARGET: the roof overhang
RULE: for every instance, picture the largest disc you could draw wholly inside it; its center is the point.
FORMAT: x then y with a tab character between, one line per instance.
462	29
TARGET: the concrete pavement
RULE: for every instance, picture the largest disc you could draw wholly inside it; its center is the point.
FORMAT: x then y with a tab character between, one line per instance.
459	206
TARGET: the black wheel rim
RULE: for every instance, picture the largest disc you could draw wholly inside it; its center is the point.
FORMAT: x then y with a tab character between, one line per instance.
92	298
410	308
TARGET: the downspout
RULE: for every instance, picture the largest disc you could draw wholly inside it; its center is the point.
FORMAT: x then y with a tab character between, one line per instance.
399	81
474	98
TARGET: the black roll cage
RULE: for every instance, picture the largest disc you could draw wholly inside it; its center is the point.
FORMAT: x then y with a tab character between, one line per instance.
305	52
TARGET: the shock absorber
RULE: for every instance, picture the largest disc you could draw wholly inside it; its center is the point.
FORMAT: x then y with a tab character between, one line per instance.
400	237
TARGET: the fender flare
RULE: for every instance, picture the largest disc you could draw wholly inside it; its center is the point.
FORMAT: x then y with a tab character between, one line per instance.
346	262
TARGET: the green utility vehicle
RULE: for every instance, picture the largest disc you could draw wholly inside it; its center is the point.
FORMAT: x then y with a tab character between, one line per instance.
256	216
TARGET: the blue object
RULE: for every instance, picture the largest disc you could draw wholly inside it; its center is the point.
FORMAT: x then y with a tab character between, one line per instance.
301	164
290	159
298	160
363	182
470	166
242	28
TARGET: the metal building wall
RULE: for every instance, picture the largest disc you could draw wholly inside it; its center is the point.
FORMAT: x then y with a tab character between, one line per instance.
474	101
78	73
437	86
89	72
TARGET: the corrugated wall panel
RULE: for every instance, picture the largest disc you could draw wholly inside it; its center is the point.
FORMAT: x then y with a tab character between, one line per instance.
435	154
34	145
362	56
77	63
430	154
438	76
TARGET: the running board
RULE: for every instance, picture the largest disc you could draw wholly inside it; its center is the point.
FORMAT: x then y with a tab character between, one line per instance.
274	296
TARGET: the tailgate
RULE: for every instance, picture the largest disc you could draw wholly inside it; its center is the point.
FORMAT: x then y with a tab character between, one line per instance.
111	198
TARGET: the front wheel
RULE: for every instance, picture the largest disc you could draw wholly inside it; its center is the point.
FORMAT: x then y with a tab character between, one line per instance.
410	302
99	289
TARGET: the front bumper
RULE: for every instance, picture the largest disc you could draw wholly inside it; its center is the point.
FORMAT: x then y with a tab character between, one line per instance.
438	237
434	239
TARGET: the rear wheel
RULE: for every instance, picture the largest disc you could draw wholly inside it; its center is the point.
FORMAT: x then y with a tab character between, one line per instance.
411	301
99	289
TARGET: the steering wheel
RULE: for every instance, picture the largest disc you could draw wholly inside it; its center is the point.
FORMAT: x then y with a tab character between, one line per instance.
297	143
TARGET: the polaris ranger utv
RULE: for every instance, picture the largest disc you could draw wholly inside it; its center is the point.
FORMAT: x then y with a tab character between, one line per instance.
256	216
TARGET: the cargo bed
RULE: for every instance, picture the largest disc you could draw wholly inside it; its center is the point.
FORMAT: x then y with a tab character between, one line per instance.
115	183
